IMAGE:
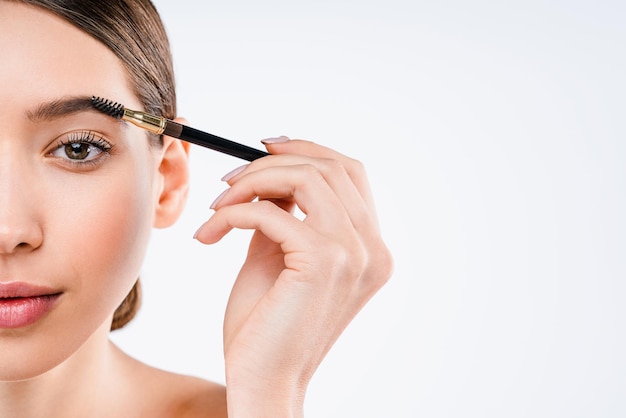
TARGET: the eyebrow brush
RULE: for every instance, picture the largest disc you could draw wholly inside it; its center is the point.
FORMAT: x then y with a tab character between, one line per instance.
163	126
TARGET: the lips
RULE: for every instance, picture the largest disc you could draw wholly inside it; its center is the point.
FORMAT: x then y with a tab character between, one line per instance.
22	304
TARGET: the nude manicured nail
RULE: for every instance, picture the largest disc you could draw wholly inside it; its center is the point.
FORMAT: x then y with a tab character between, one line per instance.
195	236
234	172
276	140
218	198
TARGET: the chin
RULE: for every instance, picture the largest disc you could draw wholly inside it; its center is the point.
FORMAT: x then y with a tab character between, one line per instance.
27	356
27	368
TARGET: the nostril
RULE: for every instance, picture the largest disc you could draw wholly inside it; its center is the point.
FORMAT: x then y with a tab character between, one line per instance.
19	236
22	246
27	246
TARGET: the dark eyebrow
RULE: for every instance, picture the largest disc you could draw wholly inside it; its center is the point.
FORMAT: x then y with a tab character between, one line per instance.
58	108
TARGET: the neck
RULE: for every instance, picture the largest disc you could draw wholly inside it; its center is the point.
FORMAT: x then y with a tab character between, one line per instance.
70	389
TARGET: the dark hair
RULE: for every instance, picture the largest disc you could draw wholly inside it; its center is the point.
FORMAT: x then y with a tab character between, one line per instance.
133	30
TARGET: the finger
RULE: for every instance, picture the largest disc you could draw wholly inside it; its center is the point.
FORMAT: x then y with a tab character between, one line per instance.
381	262
353	167
337	177
279	226
306	186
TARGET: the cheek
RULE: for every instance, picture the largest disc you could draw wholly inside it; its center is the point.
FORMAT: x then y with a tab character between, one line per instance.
119	224
101	231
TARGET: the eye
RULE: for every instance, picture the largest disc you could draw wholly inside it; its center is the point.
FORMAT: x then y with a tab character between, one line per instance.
81	147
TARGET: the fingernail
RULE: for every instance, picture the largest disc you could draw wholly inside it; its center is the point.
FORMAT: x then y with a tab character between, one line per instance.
233	173
195	235
218	198
276	140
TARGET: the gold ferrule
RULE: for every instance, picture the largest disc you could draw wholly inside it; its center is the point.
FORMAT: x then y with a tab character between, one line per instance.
155	124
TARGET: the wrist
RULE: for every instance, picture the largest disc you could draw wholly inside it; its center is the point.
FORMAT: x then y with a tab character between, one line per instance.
247	398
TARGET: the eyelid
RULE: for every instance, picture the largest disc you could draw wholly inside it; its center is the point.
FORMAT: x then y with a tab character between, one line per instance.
85	136
81	136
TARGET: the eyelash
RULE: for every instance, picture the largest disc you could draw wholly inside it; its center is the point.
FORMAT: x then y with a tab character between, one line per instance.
87	138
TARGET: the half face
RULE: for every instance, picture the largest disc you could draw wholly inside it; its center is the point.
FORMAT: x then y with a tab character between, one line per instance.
78	190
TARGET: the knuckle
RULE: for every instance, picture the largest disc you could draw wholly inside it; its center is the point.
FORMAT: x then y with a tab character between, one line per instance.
382	265
336	256
266	208
355	264
355	166
333	166
310	171
350	261
334	251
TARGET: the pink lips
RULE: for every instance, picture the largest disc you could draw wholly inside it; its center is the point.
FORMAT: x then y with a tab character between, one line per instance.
22	304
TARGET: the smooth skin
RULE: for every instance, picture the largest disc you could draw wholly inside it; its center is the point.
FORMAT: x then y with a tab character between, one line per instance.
81	226
303	281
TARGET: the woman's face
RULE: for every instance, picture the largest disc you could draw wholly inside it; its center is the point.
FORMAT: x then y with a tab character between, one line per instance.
78	190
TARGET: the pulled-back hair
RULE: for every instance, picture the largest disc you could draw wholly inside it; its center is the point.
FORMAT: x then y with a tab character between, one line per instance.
133	30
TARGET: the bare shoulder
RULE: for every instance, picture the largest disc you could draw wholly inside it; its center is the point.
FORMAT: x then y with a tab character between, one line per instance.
192	397
160	393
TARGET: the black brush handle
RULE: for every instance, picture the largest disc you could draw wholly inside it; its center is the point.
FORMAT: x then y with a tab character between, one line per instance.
213	142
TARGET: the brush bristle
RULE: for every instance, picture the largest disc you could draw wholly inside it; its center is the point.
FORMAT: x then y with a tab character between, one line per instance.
109	107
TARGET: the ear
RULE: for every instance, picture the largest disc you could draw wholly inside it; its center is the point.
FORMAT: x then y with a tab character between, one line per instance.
173	166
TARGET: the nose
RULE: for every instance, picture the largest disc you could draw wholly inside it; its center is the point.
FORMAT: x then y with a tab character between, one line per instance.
18	236
20	229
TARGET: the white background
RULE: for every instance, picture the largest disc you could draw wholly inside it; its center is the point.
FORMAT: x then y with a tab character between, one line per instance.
495	141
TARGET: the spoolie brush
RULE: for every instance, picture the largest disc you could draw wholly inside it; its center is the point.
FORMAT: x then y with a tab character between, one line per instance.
163	126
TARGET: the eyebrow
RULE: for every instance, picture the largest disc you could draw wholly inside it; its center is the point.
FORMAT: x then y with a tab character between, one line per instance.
59	108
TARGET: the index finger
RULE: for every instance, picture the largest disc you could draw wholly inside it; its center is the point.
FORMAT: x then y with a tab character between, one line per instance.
284	146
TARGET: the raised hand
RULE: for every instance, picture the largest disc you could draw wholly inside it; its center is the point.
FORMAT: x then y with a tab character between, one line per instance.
303	280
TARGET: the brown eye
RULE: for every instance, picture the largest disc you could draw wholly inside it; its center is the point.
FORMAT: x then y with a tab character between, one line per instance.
79	147
79	151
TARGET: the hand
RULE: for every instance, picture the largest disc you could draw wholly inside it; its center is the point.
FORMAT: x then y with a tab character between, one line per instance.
304	280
